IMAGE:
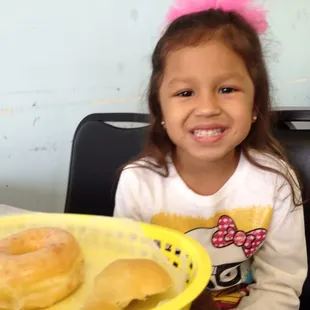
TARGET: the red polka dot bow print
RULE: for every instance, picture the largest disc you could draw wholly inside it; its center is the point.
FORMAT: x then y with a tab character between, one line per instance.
228	234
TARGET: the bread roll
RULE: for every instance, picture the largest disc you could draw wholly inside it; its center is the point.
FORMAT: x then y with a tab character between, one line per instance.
130	279
99	305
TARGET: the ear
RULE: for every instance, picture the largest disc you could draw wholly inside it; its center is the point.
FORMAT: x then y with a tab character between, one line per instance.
254	116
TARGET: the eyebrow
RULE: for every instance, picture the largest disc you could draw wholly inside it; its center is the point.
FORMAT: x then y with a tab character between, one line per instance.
233	75
180	80
224	77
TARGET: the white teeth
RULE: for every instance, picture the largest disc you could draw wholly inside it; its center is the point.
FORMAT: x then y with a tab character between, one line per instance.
208	133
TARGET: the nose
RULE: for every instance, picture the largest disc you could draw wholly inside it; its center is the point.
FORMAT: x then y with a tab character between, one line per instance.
207	106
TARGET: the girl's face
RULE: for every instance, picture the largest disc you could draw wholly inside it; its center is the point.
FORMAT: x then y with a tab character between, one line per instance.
206	99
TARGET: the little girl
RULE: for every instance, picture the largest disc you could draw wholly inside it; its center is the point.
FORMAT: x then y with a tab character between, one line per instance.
211	168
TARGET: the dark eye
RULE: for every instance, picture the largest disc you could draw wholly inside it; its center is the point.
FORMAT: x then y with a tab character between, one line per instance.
186	93
227	90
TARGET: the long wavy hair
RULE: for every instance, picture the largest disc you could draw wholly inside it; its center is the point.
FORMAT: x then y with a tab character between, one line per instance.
232	29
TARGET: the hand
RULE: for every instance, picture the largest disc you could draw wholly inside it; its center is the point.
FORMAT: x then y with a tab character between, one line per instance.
204	302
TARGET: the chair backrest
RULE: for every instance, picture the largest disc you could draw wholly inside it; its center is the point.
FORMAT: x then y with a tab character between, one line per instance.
297	144
99	149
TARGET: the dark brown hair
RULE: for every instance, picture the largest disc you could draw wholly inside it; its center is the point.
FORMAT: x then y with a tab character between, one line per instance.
234	31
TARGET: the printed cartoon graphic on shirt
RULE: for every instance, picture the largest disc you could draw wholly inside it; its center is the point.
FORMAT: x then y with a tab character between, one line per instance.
231	238
230	298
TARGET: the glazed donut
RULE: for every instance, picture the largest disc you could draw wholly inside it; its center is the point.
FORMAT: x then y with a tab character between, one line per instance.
38	268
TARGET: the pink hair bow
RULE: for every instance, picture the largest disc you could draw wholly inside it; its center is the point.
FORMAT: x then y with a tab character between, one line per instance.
254	15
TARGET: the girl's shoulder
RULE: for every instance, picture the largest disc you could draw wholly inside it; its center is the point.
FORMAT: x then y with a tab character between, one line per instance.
269	161
279	170
268	173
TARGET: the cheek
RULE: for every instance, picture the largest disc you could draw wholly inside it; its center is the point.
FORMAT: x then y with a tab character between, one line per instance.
243	126
175	126
174	113
240	109
242	116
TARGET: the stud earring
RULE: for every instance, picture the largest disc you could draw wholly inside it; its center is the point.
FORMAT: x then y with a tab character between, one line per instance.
163	123
254	118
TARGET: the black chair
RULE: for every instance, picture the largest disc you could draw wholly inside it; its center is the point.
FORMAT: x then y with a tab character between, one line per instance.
297	146
99	150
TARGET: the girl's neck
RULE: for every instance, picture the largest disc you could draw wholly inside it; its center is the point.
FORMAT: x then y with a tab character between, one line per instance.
206	178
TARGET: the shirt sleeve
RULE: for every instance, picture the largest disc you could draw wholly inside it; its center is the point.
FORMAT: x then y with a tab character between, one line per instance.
127	196
280	266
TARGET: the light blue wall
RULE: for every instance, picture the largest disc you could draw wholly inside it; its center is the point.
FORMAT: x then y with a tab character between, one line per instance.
63	59
288	50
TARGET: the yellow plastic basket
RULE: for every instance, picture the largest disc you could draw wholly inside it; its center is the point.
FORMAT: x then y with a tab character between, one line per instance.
198	265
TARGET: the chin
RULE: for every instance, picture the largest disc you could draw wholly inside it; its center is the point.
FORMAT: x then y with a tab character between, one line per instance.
212	156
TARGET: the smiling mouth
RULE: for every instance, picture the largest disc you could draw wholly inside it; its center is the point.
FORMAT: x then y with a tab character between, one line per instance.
202	133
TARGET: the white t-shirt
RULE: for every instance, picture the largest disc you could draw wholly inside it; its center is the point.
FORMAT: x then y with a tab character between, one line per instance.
250	228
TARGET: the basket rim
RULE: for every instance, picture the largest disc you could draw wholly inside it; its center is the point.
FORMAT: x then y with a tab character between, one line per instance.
199	255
